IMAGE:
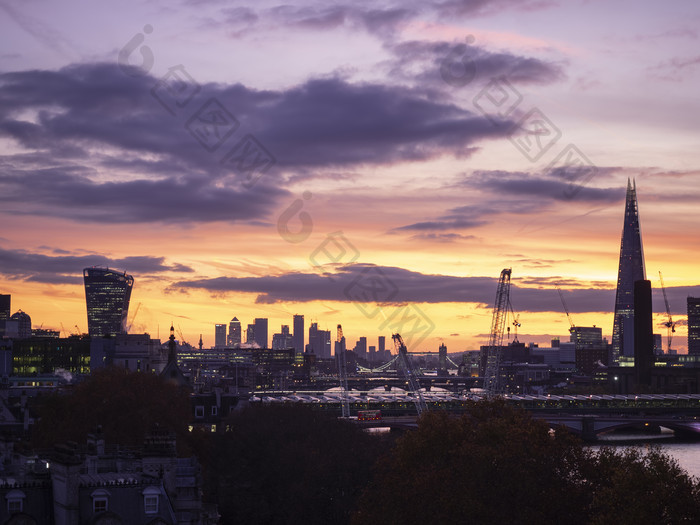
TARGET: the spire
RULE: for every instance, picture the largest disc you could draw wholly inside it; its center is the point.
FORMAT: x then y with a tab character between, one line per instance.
630	269
172	346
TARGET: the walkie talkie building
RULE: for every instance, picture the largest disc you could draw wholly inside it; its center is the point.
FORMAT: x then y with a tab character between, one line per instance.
107	295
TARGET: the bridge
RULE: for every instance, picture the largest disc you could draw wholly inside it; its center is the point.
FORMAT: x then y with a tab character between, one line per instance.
590	427
588	416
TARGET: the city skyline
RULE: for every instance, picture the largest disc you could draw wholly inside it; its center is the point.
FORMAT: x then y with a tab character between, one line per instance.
380	121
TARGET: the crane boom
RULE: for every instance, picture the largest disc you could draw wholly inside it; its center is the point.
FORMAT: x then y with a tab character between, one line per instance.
411	373
670	325
568	316
492	376
343	374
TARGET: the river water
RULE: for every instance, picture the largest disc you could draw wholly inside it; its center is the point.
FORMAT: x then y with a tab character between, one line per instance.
687	453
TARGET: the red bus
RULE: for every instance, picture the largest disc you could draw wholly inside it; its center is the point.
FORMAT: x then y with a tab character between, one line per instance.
369	415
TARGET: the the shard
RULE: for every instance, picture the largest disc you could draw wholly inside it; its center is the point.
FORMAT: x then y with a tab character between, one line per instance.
631	269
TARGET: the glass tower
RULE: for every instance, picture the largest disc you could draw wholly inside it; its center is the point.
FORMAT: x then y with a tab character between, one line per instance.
234	333
107	294
631	269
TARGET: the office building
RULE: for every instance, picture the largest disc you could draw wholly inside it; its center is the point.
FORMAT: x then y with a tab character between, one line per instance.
250	334
591	351
107	294
643	333
260	335
5	303
234	333
319	342
220	335
361	348
44	355
694	325
630	270
283	339
24	324
298	336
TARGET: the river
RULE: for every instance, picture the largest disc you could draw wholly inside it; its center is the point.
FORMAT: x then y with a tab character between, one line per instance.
687	453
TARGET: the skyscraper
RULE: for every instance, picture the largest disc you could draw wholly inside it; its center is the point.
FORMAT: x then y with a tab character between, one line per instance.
234	333
631	269
298	336
694	325
643	333
261	332
283	339
107	294
319	342
5	303
219	335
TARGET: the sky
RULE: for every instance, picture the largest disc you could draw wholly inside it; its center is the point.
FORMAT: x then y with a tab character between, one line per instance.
375	164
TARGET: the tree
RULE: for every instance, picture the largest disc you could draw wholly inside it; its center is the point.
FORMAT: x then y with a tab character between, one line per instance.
289	464
498	465
127	405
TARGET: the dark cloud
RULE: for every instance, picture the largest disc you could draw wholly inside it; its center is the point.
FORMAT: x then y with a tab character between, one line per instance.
394	285
332	123
101	148
556	185
459	8
422	61
169	200
442	237
67	269
471	216
381	21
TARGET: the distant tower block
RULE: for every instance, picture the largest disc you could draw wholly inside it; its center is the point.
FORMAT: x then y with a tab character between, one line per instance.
631	269
234	333
107	294
219	335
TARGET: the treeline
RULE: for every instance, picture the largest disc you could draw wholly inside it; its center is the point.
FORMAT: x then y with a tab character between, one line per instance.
289	464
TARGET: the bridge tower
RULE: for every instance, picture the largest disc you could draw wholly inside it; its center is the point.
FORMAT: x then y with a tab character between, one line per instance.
493	383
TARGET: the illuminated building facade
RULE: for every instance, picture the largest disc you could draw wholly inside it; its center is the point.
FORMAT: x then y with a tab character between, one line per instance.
107	294
44	355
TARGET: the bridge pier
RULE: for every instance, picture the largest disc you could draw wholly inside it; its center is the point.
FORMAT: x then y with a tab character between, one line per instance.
588	431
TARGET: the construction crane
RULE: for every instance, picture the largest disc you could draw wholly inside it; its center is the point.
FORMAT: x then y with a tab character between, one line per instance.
670	325
342	374
182	337
492	376
411	373
516	323
568	316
